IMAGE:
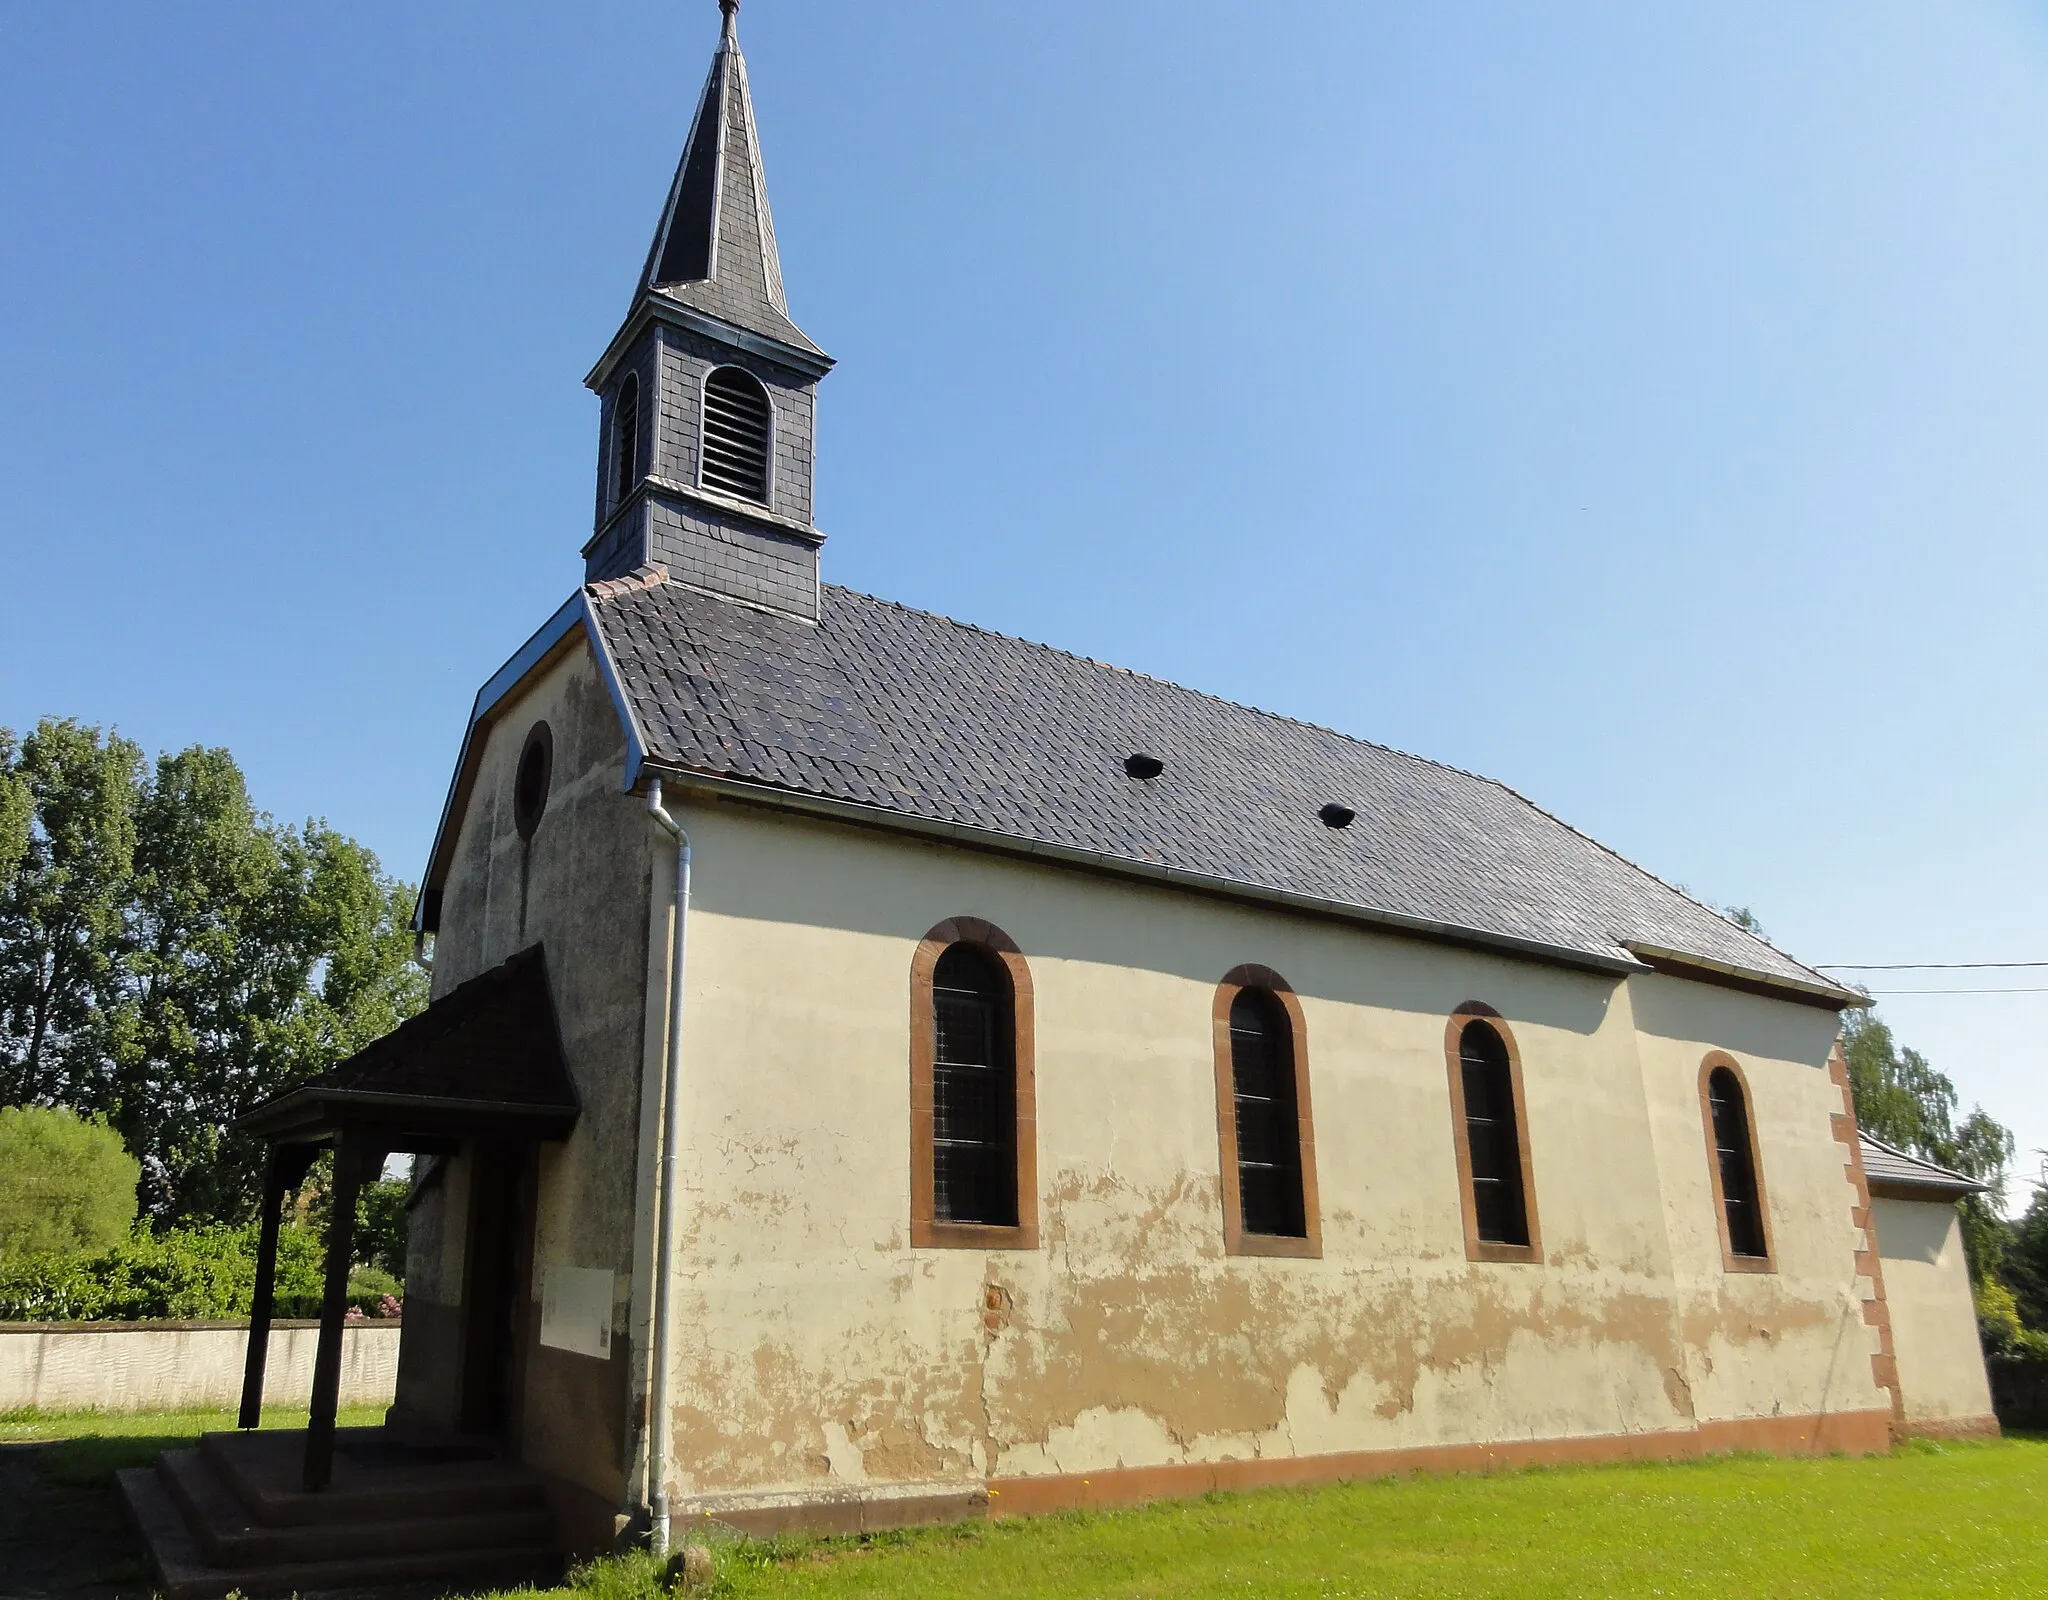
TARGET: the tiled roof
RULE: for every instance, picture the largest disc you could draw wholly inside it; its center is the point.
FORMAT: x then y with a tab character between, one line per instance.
487	1049
884	707
1888	1167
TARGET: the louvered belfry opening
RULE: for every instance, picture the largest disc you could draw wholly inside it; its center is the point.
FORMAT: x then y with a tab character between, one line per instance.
1738	1169
974	1090
1268	1120
1492	1138
738	431
625	440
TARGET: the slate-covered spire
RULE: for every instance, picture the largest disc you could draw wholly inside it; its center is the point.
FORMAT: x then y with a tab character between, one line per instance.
708	390
715	248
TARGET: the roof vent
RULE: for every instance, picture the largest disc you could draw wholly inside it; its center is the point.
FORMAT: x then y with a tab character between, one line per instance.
1336	816
1143	766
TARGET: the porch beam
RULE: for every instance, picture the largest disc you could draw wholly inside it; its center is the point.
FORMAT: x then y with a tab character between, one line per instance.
352	1158
283	1170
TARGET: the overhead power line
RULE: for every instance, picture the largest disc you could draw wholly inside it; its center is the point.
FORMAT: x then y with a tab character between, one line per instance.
1925	966
2043	990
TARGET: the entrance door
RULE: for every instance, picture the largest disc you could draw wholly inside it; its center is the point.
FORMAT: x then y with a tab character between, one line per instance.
495	1288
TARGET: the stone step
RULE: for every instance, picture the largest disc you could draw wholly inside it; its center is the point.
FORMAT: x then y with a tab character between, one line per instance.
231	1537
375	1480
188	1573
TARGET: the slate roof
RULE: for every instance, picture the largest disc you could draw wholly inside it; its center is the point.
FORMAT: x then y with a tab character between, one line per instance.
1888	1168
485	1056
715	249
912	714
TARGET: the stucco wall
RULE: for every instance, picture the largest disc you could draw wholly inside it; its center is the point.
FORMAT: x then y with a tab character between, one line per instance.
1934	1324
163	1367
819	1351
580	886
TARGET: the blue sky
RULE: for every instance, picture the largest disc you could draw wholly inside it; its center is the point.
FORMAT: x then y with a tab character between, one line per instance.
1639	403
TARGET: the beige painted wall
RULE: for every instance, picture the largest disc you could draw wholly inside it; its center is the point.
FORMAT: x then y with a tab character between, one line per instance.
88	1367
1934	1323
581	888
819	1351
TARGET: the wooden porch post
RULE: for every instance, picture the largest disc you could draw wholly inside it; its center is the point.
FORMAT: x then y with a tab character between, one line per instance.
282	1172
351	1157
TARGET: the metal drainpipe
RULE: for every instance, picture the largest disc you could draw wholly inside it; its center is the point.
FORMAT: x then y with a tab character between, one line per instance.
671	1180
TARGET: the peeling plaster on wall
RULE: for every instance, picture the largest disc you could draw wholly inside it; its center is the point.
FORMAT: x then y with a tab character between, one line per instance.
815	1349
814	1335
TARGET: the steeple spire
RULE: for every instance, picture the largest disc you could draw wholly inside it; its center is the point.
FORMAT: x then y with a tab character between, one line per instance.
708	390
715	248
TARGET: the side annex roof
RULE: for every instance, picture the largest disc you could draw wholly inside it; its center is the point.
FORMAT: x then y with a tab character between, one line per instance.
1893	1174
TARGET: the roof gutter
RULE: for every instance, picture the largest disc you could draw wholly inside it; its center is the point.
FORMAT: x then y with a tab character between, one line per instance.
988	839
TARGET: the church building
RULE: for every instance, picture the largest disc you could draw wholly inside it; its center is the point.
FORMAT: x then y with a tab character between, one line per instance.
881	1070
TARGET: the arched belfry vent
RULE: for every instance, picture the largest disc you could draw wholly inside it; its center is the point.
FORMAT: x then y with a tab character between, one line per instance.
1144	767
1336	816
739	427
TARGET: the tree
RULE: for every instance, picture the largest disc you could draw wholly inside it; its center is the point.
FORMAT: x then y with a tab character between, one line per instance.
1901	1099
2026	1262
70	811
178	956
67	1185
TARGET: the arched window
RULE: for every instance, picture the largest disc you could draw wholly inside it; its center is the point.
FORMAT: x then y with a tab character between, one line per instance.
974	1092
739	428
625	440
1492	1142
1731	1146
973	1155
1263	1122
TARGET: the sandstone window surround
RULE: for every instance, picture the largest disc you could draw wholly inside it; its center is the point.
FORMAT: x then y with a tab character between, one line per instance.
1734	1165
973	1101
1490	1132
1265	1122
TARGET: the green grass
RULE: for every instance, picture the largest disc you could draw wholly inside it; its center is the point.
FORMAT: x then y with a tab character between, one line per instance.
89	1447
1932	1519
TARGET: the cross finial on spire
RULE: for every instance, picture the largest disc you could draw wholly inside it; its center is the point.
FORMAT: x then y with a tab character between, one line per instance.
730	9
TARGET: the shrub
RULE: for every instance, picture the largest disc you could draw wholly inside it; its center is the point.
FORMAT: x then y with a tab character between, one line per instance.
67	1184
2000	1328
203	1274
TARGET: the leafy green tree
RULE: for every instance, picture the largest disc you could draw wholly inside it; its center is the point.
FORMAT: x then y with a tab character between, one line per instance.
1901	1099
205	956
1745	919
61	908
67	1185
381	1226
2026	1262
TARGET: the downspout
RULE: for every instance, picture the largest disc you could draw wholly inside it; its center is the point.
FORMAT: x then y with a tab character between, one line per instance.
670	1182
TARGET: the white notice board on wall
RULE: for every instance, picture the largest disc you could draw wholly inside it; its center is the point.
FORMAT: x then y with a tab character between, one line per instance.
576	1310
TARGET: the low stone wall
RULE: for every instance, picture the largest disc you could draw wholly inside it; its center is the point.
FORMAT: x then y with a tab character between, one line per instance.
168	1366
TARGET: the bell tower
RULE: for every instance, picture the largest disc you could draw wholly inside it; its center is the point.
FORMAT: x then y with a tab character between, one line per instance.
708	391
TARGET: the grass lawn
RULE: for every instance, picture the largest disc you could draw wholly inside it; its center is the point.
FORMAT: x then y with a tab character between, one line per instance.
1932	1519
89	1447
63	1529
